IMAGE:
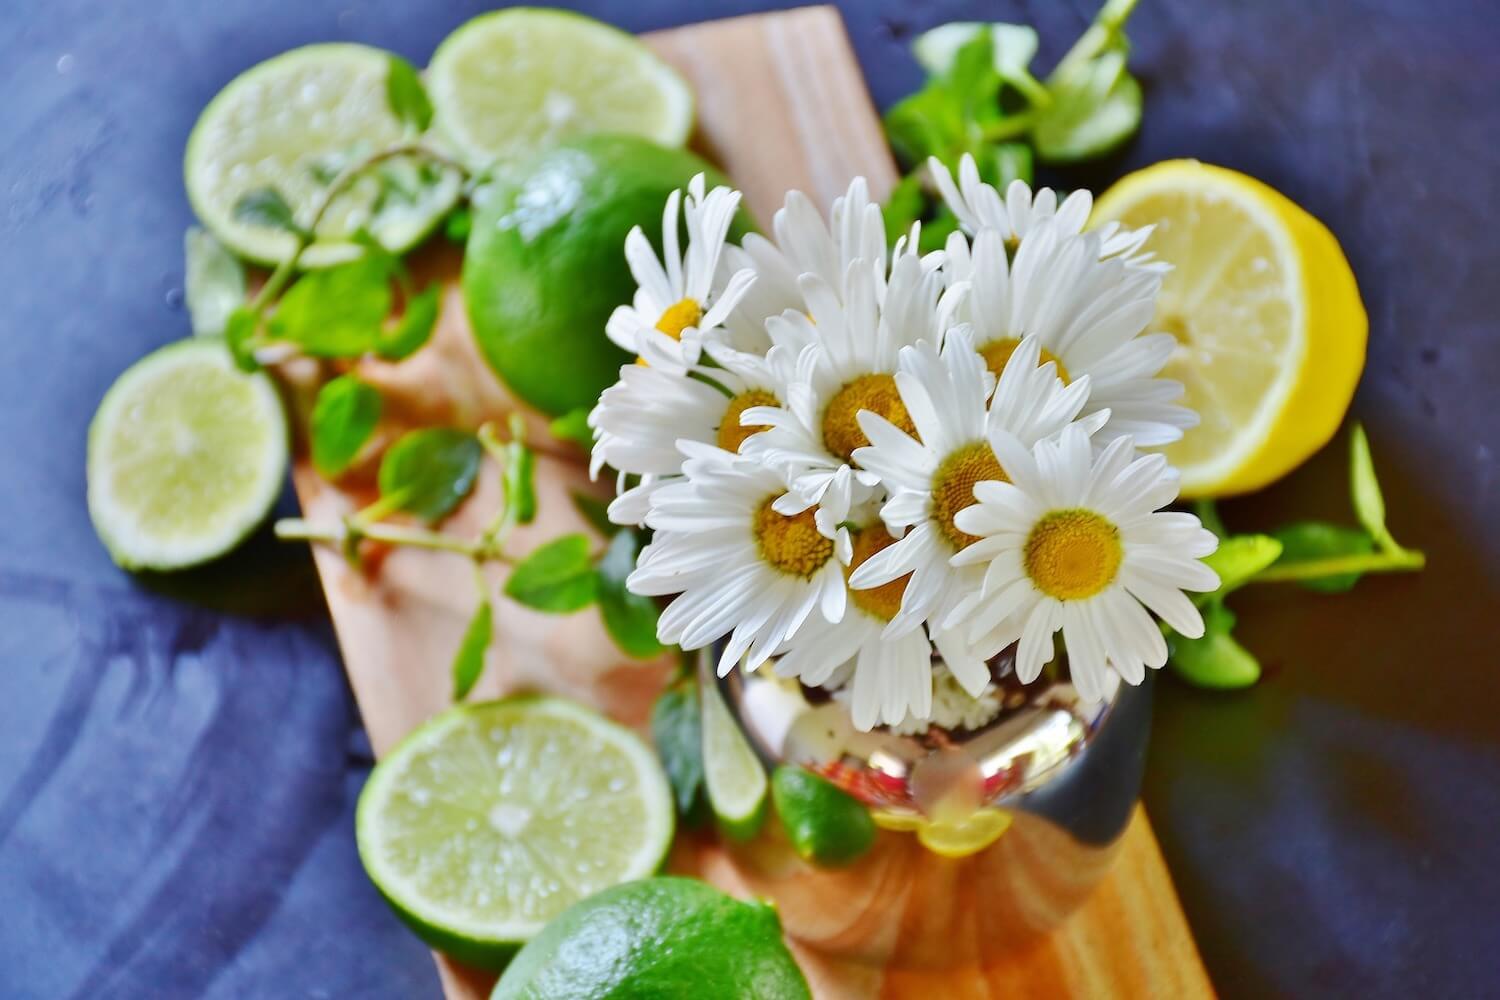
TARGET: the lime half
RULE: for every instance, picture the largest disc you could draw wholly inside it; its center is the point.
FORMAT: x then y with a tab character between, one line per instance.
516	81
291	124
733	774
492	819
186	455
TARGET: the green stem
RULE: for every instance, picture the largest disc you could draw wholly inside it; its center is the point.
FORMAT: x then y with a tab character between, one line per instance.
295	528
1404	561
1110	19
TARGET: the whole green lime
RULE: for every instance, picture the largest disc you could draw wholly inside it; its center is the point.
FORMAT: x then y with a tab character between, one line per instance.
659	938
545	263
826	825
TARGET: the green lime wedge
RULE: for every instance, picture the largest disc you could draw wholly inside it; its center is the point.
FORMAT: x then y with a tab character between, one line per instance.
491	819
826	825
290	124
516	81
186	455
733	774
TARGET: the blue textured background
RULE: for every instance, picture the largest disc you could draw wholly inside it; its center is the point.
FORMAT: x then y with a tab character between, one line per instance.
179	758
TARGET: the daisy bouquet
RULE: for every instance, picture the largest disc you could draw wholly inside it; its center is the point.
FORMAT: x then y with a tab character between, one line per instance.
876	470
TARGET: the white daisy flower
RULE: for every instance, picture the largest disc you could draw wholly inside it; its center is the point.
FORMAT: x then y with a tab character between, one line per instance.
979	207
640	419
931	471
803	244
889	681
1077	541
854	348
1089	316
678	304
738	567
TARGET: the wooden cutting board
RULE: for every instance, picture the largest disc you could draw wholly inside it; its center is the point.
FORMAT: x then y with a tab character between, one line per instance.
781	105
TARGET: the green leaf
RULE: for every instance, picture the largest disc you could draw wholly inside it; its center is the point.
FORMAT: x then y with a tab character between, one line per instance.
459	223
266	207
343	419
1238	558
629	618
1369	504
214	284
1095	107
595	512
927	123
520	483
414	328
1215	660
574	426
336	312
431	470
1307	541
468	664
556	577
406	95
239	336
677	731
1012	47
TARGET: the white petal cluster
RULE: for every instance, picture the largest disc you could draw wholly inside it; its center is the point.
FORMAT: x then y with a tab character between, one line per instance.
873	467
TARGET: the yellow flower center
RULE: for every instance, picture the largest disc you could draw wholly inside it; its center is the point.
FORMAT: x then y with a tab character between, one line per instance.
884	601
731	434
876	393
953	487
791	544
679	316
997	352
1073	554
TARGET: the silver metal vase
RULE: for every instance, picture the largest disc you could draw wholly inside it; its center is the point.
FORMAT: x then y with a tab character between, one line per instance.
1059	775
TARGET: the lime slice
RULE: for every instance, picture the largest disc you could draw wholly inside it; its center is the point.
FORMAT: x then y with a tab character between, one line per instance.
291	123
733	774
516	81
491	819
186	455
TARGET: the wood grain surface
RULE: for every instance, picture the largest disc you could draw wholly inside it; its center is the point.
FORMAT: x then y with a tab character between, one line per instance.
781	105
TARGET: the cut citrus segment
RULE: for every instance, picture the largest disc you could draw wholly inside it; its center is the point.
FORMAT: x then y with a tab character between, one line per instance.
290	124
186	455
516	81
735	778
491	819
1265	307
961	838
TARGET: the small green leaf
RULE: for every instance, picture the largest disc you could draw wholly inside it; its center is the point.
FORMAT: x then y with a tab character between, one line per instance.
431	470
520	482
1095	107
927	123
343	419
468	664
1307	541
1214	660
414	328
677	731
1369	504
214	285
629	618
266	207
239	335
458	224
574	426
1238	558
336	312
406	95
595	512
556	577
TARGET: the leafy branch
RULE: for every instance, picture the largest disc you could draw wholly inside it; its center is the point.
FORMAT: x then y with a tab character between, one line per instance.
981	99
1324	557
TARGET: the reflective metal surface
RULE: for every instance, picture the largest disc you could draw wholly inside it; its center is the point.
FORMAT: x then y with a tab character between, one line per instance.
1066	773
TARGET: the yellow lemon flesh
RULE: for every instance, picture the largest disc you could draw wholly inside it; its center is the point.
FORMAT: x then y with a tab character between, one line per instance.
1269	321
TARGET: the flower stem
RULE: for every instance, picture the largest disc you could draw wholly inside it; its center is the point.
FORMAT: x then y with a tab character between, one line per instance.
1400	561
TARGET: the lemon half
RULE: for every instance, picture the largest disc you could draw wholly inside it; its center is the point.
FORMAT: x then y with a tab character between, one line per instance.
1269	321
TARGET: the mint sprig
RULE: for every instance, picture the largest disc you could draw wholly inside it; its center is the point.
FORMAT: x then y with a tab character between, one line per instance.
1320	556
